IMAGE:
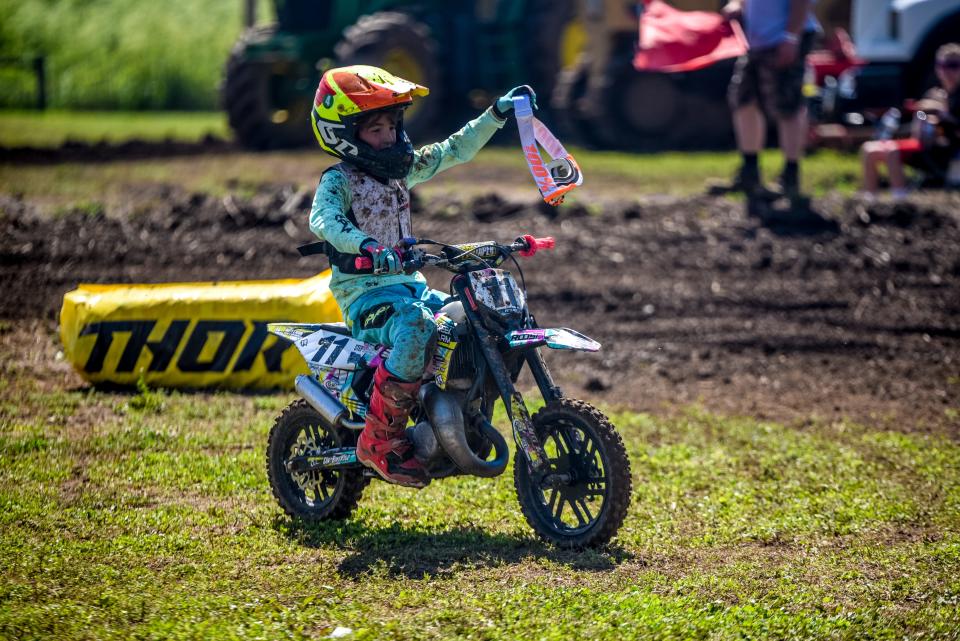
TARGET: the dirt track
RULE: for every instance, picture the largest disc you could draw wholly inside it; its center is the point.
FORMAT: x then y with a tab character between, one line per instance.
694	300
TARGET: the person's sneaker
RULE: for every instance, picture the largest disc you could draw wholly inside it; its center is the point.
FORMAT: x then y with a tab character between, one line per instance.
391	458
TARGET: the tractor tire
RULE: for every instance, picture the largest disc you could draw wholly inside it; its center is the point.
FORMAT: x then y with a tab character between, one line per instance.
636	111
556	40
647	111
403	46
245	95
572	125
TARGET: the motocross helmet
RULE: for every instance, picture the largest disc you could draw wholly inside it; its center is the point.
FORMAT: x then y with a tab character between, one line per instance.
345	95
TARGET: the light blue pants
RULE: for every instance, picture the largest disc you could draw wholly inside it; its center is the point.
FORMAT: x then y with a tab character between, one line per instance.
401	317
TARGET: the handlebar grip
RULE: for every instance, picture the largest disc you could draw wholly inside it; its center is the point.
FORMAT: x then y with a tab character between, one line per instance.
409	266
533	244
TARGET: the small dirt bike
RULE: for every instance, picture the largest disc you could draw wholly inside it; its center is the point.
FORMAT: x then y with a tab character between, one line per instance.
571	472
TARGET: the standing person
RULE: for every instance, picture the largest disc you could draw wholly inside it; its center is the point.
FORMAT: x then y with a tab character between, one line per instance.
934	144
362	208
769	79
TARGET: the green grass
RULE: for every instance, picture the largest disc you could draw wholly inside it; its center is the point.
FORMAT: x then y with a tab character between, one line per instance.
686	172
149	516
608	174
53	128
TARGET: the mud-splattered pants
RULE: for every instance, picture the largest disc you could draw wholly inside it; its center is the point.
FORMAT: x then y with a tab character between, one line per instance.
400	316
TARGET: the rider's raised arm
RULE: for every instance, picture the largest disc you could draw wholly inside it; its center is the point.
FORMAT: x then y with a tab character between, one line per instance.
329	216
459	148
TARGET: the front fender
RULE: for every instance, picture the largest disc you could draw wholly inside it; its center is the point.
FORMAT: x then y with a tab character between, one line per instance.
555	338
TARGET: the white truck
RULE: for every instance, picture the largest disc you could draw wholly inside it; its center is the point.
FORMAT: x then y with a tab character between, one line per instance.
898	39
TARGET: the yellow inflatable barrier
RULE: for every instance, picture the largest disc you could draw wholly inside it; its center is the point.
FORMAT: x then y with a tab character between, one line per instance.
191	334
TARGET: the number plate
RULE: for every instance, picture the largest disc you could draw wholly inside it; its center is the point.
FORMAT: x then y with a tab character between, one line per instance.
327	350
496	289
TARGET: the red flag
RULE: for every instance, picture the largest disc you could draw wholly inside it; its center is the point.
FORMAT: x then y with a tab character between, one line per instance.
673	40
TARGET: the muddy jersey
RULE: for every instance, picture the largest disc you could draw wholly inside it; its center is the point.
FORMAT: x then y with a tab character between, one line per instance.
379	209
351	206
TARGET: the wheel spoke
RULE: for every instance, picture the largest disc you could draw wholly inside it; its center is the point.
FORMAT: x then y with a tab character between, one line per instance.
590	454
314	487
595	491
558	512
583	506
554	493
568	442
577	513
562	449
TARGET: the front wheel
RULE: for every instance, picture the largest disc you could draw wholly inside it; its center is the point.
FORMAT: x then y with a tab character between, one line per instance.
310	496
582	498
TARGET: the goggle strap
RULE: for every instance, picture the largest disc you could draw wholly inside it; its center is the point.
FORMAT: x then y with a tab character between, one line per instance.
562	166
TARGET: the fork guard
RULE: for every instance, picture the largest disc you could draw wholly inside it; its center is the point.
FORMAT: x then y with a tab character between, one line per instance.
555	338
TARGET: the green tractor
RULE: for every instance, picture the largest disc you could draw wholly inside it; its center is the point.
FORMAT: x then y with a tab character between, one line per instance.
465	52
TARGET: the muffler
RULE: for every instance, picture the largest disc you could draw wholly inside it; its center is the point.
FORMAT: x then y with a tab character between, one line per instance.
326	405
443	410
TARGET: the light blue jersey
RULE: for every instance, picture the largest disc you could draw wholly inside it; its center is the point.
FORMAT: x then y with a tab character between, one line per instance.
330	216
765	22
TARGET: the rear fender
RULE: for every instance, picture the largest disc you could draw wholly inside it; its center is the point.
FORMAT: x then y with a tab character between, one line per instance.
555	338
325	349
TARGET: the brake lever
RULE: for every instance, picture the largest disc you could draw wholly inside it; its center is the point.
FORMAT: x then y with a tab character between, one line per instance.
415	262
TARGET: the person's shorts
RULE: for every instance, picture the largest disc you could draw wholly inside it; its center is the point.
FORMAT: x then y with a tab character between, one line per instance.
907	147
756	78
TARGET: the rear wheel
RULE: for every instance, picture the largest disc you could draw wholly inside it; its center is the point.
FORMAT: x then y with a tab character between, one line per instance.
583	497
310	496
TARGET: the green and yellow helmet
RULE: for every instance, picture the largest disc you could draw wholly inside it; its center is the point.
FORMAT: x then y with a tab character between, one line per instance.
344	96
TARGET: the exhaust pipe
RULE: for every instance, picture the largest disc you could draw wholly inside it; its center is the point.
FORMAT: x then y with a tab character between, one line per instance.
326	405
448	426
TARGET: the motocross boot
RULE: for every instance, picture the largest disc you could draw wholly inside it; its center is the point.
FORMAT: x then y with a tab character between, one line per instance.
383	445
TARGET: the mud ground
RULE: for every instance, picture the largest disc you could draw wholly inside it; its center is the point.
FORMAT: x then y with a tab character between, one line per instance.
849	310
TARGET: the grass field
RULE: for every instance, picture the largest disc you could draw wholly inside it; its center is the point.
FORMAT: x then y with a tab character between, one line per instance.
149	516
53	128
615	173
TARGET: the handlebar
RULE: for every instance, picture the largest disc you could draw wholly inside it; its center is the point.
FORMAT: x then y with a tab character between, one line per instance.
525	245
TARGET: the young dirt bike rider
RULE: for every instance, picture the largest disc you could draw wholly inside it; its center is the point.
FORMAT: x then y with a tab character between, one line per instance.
362	208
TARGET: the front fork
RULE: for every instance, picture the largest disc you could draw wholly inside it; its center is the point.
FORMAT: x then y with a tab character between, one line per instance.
523	432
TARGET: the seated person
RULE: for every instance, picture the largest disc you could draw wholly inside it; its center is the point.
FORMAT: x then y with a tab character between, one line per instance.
934	140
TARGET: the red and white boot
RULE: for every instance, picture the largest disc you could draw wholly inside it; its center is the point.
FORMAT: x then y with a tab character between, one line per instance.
383	445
